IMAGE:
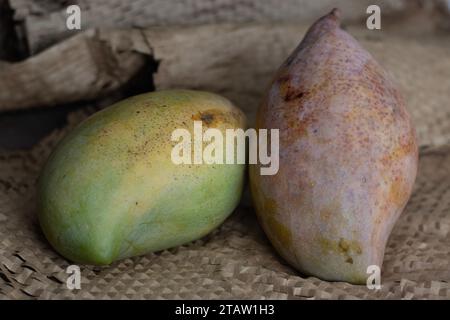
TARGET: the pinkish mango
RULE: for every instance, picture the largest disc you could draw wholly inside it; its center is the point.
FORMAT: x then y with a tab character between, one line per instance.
348	157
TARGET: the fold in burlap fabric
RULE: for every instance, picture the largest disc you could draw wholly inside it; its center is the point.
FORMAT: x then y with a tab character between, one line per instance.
236	261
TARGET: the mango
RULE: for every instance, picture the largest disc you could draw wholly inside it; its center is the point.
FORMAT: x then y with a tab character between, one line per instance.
348	157
110	189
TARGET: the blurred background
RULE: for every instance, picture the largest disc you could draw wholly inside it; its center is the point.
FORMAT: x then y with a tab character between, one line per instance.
230	47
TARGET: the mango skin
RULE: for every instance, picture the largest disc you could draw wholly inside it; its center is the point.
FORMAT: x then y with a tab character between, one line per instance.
110	190
348	157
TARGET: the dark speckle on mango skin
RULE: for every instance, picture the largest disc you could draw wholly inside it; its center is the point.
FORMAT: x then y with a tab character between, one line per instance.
348	155
346	248
214	117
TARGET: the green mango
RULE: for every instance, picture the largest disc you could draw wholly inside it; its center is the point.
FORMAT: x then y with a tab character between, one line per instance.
110	189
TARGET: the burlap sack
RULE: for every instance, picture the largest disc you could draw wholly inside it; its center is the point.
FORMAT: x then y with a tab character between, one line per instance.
236	261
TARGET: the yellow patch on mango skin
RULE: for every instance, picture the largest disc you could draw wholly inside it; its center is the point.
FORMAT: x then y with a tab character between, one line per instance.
279	231
267	211
333	208
325	214
401	151
347	248
398	192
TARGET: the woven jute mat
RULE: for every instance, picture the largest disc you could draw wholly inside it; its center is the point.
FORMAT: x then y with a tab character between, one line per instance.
236	261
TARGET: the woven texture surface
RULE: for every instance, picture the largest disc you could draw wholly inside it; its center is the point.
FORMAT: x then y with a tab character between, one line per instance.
236	261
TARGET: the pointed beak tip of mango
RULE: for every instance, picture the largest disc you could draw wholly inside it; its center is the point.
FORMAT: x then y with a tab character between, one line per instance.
336	13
